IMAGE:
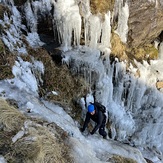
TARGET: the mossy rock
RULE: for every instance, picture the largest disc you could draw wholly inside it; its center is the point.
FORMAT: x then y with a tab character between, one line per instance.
101	6
151	51
147	52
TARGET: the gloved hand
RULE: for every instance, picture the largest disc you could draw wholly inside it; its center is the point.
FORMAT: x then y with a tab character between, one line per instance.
81	129
91	133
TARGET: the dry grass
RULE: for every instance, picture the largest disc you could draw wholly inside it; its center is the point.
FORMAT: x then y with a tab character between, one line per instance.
5	141
42	146
122	52
120	159
39	143
2	10
59	79
118	48
7	60
147	52
10	118
101	6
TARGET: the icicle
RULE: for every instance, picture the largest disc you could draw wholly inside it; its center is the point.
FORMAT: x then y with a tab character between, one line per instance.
120	70
94	32
122	28
8	2
130	93
43	6
106	31
31	12
68	21
30	17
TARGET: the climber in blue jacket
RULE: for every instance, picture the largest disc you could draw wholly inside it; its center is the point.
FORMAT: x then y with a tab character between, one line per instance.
97	115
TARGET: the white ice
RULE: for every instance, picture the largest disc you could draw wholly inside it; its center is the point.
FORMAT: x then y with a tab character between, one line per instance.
2	159
122	28
134	104
85	148
68	22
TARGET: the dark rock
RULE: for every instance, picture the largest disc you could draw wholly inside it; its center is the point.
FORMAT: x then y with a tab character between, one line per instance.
145	21
57	56
19	2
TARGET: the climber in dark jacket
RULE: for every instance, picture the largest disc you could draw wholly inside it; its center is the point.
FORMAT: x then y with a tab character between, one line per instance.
97	116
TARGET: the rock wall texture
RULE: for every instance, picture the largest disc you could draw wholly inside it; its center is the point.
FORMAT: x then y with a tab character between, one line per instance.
145	21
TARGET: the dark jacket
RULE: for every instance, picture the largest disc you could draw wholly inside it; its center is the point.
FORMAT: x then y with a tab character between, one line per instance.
98	117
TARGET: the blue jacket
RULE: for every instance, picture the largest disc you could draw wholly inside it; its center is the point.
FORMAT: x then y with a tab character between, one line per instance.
98	117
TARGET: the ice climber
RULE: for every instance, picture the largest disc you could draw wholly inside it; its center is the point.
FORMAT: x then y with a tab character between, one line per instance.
96	112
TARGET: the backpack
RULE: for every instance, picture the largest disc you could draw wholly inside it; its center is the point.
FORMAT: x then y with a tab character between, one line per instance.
99	106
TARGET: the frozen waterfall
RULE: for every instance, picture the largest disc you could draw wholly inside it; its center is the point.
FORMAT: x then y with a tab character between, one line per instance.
134	104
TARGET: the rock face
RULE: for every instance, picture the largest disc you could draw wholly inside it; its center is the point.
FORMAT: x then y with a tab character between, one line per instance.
145	21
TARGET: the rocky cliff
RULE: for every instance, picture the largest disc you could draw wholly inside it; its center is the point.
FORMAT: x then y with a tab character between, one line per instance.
145	22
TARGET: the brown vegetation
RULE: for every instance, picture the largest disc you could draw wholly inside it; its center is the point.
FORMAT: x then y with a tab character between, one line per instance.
40	142
119	159
123	52
118	47
147	52
7	60
58	79
10	118
69	88
101	6
3	9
